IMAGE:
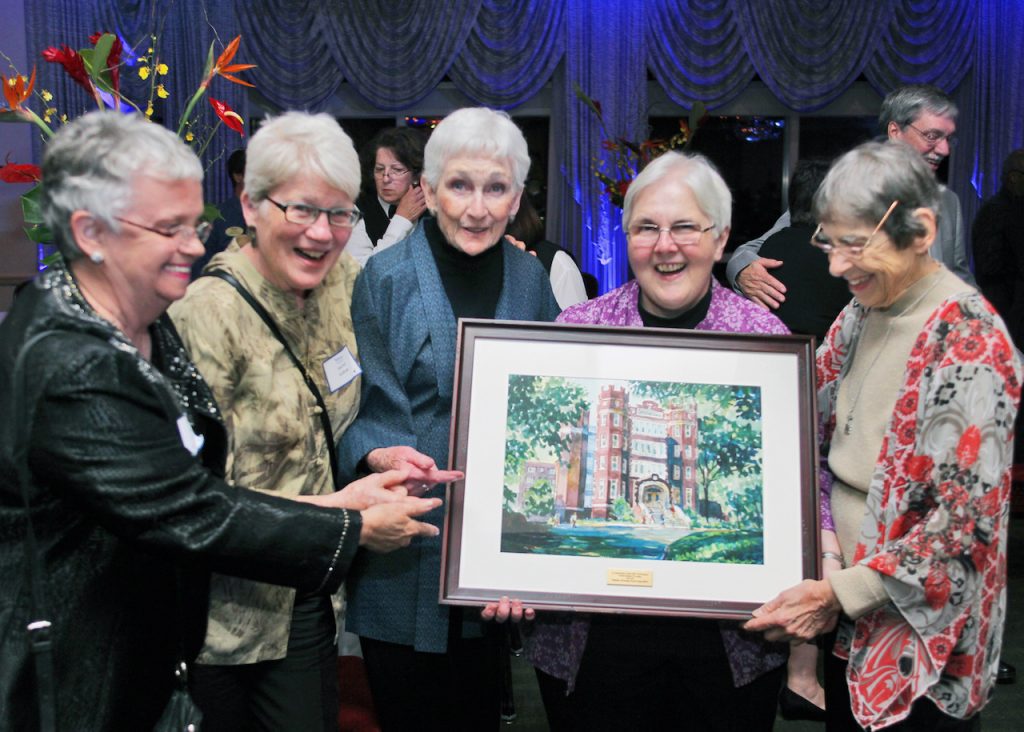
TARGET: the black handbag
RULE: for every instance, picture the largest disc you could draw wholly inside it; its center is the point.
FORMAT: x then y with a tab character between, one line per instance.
181	714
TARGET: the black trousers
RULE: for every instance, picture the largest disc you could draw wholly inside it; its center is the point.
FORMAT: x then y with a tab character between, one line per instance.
924	715
456	691
659	674
298	693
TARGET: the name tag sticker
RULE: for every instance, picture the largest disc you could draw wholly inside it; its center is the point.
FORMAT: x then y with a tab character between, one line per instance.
192	442
630	578
340	369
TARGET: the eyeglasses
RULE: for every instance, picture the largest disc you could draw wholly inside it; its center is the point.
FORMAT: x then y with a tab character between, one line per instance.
305	215
682	233
934	137
852	248
395	171
183	234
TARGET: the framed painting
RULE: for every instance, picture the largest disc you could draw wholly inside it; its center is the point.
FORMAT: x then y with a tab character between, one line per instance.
630	470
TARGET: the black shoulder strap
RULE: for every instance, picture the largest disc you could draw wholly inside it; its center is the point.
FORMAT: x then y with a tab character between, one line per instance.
39	629
325	415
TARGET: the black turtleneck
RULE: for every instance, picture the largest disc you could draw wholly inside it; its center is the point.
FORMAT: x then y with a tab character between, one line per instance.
472	284
690	319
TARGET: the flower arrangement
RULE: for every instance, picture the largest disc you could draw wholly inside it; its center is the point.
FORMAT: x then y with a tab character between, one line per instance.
628	158
98	69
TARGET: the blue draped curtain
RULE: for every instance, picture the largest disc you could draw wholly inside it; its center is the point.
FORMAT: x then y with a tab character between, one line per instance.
501	52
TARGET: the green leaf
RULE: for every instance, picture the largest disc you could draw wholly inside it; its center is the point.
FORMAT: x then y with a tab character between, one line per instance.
7	115
31	210
101	52
39	234
211	213
209	62
582	96
87	57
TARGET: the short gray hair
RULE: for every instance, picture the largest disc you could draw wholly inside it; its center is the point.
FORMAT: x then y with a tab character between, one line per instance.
695	172
864	182
476	131
299	143
92	162
905	104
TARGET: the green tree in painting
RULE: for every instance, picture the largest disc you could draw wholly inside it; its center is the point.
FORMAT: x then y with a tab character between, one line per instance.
746	505
622	510
729	442
540	499
538	408
508	499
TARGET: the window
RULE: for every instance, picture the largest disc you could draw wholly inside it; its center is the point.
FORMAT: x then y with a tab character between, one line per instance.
616	420
687	431
689	452
689	472
615	463
615	439
604	419
604	440
601	463
675	472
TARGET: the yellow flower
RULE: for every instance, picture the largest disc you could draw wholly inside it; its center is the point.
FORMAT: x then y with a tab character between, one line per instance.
47	96
64	118
143	72
142	60
48	114
149	109
161	69
161	92
189	137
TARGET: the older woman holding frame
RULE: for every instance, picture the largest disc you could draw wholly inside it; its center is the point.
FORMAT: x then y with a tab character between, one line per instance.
430	666
610	672
918	386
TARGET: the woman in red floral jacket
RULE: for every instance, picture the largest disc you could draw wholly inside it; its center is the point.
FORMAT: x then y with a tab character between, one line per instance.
918	371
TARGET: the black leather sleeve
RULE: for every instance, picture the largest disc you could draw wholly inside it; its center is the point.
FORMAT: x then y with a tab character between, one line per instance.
102	442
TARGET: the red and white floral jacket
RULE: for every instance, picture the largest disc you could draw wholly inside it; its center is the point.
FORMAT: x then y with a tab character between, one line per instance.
936	519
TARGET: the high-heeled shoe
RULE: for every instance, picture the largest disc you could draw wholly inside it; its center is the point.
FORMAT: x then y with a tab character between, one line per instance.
793	706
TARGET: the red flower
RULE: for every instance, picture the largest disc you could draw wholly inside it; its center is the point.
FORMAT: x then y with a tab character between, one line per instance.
936	587
225	68
72	64
919	467
20	173
609	145
970	348
967	449
228	116
16	91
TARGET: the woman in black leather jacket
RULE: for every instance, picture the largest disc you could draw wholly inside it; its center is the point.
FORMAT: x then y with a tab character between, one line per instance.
114	441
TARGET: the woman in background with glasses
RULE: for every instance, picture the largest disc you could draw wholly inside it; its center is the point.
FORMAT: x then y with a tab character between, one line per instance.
918	386
270	659
392	201
612	672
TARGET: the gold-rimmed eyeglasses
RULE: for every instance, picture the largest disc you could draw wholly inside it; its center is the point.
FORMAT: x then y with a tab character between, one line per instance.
395	171
850	247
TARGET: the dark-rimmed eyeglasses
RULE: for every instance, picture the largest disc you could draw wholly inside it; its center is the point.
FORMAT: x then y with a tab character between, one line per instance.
850	248
183	234
304	214
682	233
934	137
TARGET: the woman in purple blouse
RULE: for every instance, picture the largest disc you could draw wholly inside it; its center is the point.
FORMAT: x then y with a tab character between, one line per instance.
632	672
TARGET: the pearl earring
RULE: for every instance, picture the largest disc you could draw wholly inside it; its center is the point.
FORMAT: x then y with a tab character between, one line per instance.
96	257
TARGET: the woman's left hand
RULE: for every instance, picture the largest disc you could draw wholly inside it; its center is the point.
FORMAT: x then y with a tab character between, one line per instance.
798	614
423	471
506	609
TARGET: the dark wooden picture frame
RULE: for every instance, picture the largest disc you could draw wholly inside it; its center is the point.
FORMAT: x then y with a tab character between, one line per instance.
630	470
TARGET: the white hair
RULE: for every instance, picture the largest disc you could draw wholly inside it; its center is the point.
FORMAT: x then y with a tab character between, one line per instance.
476	131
